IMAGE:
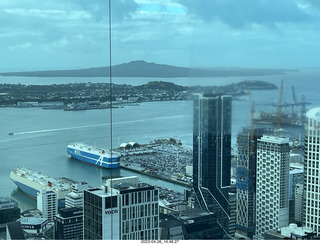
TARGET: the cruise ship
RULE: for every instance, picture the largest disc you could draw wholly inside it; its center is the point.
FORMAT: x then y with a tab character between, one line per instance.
31	182
95	156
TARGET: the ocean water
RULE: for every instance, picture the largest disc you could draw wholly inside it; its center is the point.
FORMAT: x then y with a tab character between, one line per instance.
41	136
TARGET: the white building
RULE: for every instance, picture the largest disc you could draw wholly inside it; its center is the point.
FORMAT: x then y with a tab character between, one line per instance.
122	209
47	203
299	233
75	198
311	217
34	225
272	191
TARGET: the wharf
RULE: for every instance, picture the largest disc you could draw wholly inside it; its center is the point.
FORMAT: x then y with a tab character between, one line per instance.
162	159
157	176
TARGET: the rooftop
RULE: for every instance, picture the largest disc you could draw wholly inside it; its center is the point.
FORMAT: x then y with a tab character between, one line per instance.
119	184
32	221
274	139
314	113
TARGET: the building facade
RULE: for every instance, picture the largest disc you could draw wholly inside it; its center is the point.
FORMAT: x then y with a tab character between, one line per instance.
311	216
295	178
9	210
122	209
75	198
246	182
272	194
69	224
212	157
32	225
47	203
298	204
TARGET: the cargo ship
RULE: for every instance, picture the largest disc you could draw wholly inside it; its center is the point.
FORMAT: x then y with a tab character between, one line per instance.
31	182
94	156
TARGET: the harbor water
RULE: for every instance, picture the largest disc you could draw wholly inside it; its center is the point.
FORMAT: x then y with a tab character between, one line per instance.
41	136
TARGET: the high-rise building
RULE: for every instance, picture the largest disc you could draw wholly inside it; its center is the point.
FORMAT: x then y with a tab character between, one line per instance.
311	216
272	189
122	209
75	198
9	210
47	203
212	158
192	224
296	177
298	204
246	182
69	224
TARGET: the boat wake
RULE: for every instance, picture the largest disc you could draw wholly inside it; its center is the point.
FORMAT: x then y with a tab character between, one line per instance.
96	125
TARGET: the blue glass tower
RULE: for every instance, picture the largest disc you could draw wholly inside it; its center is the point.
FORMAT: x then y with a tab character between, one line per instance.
212	157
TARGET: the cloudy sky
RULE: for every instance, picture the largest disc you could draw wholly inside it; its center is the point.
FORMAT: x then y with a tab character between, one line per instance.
70	34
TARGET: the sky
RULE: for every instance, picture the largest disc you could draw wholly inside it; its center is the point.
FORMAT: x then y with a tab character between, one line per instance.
72	34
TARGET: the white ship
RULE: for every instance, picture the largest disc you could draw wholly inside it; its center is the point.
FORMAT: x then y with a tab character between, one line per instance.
31	182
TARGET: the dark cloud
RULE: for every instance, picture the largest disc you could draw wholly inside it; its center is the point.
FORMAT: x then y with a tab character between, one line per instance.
99	9
242	13
45	22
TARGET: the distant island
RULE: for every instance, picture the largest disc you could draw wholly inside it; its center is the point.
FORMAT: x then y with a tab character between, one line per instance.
83	96
141	68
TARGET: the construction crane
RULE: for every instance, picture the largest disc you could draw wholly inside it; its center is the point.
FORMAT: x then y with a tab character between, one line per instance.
294	100
294	95
251	121
279	108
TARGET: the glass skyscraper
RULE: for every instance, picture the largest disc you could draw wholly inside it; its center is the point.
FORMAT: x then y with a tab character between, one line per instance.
212	157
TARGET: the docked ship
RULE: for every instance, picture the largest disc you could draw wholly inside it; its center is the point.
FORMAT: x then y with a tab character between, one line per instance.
96	156
31	182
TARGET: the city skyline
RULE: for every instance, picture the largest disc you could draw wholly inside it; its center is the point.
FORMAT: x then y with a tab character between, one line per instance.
42	35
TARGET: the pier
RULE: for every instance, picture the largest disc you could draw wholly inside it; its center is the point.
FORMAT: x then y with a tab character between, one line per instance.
165	159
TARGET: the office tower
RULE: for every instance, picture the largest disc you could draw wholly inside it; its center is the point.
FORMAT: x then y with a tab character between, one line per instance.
14	231
75	198
295	177
272	189
69	224
298	204
311	216
122	209
192	224
47	203
212	157
9	210
246	182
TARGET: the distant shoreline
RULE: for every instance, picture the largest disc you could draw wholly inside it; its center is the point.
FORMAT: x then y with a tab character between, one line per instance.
83	96
145	69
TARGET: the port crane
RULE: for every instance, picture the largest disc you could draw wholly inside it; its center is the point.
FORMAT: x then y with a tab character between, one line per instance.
282	115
